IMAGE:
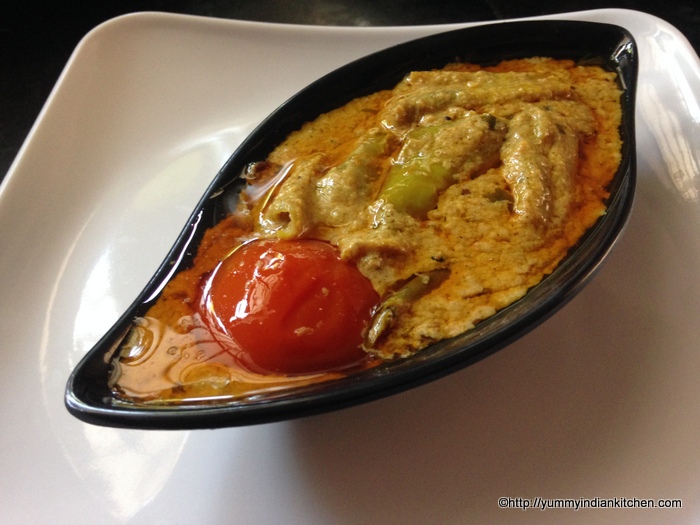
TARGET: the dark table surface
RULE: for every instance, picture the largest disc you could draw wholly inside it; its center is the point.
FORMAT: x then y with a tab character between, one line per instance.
37	38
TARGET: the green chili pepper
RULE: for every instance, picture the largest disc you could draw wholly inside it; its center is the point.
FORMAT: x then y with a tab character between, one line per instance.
398	302
421	171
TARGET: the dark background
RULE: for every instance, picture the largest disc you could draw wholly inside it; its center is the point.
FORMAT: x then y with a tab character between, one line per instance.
37	38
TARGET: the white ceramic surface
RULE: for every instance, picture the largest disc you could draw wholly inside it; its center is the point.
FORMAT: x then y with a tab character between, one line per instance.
600	401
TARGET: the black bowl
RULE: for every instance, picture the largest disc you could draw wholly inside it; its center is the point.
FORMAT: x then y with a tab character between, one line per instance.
88	395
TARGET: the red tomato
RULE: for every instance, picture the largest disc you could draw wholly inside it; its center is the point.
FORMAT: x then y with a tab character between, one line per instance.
291	306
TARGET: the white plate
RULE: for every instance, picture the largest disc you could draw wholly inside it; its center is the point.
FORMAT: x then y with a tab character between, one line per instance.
600	401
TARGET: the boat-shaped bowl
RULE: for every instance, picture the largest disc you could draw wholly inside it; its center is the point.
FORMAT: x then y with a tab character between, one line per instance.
88	395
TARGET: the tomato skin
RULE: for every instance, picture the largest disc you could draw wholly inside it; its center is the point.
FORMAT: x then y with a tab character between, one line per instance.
292	307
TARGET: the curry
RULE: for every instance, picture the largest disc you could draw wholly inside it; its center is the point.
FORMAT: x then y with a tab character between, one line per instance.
400	219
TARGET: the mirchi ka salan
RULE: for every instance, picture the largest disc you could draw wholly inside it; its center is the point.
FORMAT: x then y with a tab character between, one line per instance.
400	219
